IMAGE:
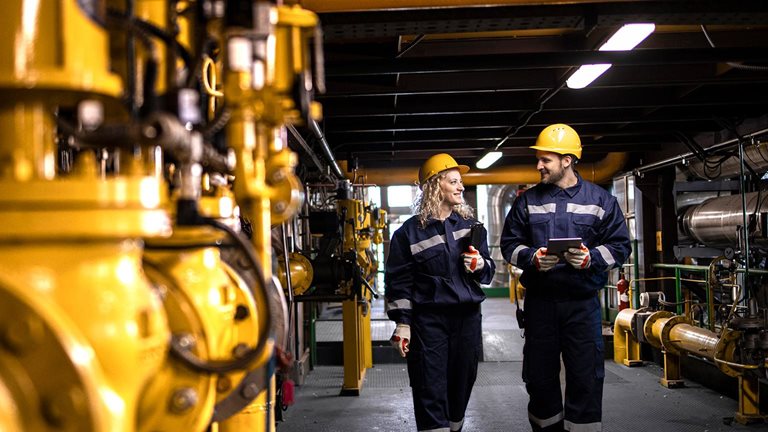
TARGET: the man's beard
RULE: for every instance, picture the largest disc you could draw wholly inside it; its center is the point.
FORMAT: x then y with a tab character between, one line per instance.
554	177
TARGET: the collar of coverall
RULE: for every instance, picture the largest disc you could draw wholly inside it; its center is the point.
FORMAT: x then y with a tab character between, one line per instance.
452	217
571	191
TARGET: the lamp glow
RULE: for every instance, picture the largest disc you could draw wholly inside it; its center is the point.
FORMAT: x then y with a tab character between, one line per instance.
488	159
626	38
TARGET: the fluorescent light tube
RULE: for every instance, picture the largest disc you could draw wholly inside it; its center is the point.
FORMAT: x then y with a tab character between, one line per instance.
586	74
626	38
488	159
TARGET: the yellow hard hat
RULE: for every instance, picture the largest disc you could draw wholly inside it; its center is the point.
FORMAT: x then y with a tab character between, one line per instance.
437	163
559	138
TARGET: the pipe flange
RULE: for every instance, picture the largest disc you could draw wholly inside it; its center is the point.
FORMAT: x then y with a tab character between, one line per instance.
666	342
726	350
648	327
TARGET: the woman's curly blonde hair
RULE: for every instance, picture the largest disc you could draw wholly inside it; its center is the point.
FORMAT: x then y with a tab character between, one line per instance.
427	203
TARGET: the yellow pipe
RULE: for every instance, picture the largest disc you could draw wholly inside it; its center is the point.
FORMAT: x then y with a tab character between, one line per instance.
626	348
597	172
695	340
369	5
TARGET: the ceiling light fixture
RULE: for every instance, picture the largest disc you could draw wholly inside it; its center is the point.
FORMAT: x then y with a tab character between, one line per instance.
626	38
488	159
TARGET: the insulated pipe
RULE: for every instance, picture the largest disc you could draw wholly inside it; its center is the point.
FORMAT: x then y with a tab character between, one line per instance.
715	222
598	172
755	156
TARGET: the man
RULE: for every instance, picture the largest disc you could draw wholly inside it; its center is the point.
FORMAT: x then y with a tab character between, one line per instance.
562	307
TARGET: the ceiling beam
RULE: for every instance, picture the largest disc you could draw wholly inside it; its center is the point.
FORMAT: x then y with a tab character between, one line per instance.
544	60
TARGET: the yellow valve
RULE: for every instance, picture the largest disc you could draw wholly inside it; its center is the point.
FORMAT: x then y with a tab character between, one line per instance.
286	192
301	273
210	307
116	347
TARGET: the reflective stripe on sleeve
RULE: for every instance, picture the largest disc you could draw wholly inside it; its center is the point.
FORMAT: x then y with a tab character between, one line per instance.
401	304
515	253
426	244
606	254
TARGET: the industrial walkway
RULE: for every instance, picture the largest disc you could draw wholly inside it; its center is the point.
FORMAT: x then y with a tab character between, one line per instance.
633	400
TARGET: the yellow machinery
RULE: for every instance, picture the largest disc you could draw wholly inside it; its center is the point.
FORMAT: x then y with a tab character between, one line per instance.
343	268
97	333
676	336
361	225
82	330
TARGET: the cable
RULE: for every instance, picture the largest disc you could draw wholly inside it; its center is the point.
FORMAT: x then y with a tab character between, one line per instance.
157	32
547	96
243	361
732	64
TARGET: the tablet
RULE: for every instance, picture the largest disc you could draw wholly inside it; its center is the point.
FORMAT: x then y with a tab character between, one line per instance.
556	246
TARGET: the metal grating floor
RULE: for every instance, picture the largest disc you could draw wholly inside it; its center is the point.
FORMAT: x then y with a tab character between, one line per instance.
633	400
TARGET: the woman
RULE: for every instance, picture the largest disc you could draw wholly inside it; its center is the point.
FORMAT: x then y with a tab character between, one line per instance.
432	286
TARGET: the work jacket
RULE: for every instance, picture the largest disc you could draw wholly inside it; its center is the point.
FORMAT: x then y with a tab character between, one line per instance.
546	211
425	267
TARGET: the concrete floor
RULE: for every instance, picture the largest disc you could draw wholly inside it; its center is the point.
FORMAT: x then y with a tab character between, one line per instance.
633	400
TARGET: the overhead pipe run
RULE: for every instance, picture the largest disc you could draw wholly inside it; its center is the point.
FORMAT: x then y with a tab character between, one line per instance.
335	170
683	158
598	172
321	6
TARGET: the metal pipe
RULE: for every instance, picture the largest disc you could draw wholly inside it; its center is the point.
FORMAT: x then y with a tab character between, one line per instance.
695	340
335	169
756	156
715	222
683	157
307	149
691	267
744	225
500	198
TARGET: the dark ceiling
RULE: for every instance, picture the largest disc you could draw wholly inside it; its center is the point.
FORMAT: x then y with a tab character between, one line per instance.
403	84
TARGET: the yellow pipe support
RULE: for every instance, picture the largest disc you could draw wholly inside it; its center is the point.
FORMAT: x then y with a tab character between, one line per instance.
597	172
626	349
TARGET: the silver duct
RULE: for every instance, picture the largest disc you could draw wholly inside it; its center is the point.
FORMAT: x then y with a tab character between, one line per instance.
500	198
716	222
756	156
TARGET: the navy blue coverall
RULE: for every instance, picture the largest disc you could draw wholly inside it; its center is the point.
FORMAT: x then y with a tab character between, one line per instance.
562	309
427	288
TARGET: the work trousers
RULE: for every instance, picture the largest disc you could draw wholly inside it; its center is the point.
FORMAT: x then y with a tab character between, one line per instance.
446	344
571	328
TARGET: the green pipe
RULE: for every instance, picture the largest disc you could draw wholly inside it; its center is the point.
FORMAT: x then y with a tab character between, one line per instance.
701	268
752	271
678	292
